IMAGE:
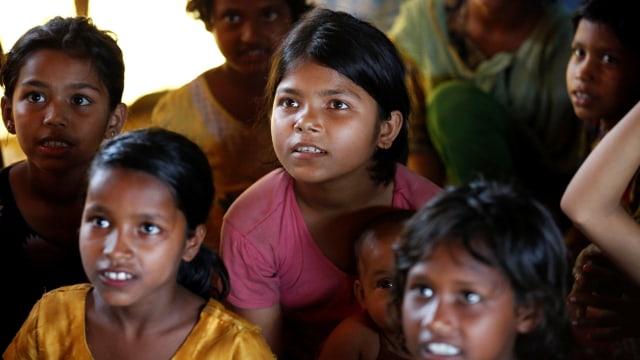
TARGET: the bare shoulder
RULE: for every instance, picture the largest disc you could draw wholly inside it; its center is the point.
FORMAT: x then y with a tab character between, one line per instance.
356	337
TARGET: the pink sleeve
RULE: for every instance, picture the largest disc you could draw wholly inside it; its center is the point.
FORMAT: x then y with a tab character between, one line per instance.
255	282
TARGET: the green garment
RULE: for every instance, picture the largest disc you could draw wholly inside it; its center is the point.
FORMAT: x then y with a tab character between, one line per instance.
529	84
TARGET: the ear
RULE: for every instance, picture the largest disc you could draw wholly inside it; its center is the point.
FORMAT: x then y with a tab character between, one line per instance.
192	246
389	129
7	115
528	316
358	290
116	121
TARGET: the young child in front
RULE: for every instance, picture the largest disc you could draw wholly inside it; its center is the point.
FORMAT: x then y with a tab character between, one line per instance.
63	84
371	334
150	192
221	109
481	273
602	80
337	125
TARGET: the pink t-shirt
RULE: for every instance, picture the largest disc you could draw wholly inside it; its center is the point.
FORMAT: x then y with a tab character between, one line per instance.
272	258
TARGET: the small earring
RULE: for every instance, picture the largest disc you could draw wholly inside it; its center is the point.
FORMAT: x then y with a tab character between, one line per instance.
113	133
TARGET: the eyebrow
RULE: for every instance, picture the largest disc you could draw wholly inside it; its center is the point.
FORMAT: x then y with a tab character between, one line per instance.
78	86
328	92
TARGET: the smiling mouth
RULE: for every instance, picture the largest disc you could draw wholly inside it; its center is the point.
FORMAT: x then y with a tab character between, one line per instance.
117	275
309	149
442	349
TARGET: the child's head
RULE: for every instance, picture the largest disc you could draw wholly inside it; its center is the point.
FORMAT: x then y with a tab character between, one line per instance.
150	192
375	265
481	271
204	9
602	74
361	53
76	37
247	32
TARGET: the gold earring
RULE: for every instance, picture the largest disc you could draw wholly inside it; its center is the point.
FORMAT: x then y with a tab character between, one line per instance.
113	133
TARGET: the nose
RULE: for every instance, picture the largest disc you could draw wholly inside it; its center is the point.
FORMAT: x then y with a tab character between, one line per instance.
117	246
439	317
584	69
249	32
306	121
55	115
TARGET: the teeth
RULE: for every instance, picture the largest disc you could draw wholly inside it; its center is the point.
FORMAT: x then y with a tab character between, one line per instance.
112	275
443	349
52	143
309	149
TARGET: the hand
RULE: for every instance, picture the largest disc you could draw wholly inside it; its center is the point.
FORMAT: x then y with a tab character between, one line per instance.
604	303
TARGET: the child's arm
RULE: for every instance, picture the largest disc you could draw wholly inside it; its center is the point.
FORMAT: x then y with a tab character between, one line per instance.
592	199
352	339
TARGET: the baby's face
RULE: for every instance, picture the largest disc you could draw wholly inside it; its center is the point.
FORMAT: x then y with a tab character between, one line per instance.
602	75
458	307
376	279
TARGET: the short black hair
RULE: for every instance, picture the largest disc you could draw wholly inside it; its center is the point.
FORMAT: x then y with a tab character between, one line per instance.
77	37
620	15
505	229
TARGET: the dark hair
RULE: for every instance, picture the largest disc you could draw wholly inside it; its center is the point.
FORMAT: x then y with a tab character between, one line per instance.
506	230
620	15
201	9
362	53
183	167
390	220
77	37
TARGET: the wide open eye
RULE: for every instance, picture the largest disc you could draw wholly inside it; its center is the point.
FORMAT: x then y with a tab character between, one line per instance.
35	97
338	104
471	297
149	229
384	284
99	222
426	291
81	100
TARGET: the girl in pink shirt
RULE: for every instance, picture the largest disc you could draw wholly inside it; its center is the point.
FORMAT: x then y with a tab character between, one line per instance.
338	127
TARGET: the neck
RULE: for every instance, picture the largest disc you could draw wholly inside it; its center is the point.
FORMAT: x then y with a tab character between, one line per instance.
254	80
343	195
64	187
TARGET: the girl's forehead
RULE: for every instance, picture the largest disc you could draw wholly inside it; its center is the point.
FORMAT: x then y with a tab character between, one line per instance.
454	253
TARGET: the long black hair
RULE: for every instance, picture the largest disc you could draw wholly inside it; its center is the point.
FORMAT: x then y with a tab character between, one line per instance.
366	56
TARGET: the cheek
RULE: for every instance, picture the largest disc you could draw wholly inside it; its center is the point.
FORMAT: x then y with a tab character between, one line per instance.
410	319
279	29
568	73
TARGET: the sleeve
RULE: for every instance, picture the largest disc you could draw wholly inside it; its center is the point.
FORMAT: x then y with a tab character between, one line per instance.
250	345
25	343
172	110
255	281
